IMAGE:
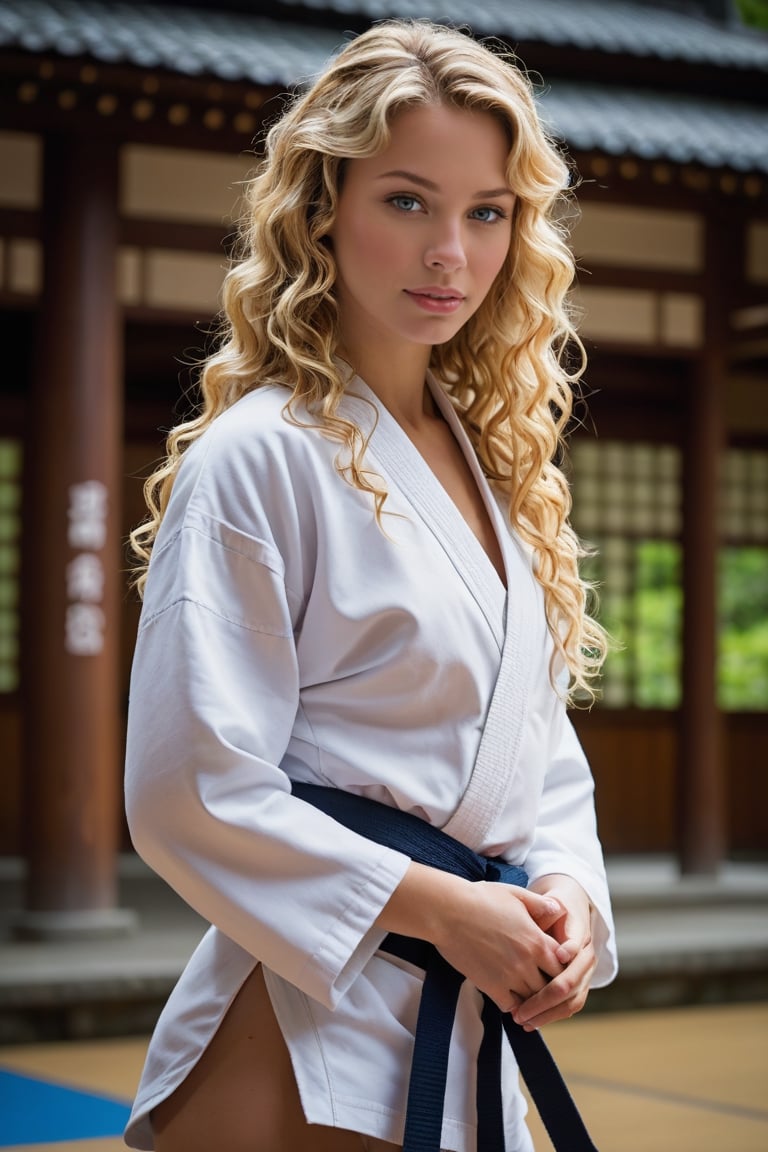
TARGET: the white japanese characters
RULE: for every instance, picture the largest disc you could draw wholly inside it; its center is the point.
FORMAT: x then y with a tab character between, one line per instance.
87	531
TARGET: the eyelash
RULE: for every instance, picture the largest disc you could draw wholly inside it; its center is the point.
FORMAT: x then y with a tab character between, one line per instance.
499	213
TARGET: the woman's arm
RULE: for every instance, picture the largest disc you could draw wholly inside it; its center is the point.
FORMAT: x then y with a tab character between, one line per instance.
497	935
214	695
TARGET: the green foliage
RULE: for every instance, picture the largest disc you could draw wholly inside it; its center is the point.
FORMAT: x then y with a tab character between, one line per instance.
658	615
743	655
645	617
743	588
754	12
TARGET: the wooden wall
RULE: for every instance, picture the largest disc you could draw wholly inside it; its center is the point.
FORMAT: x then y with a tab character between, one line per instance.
633	756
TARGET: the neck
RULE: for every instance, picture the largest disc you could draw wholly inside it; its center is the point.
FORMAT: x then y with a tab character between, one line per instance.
397	379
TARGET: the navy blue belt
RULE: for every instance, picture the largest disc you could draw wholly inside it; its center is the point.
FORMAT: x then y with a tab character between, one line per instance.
426	1091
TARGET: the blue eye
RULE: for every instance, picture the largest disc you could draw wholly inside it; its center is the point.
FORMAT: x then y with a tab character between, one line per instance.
491	215
405	203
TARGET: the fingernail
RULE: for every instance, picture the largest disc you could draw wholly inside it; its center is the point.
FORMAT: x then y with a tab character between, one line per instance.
553	906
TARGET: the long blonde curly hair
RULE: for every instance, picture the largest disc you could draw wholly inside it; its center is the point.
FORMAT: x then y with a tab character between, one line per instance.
506	370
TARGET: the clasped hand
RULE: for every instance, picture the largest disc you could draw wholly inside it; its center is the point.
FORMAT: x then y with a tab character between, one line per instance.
530	950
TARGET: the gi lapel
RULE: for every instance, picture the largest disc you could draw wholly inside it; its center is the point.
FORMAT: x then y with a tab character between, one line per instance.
404	467
497	759
517	631
496	764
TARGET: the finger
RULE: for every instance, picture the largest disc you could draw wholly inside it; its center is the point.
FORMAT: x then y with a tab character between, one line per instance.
509	1002
527	985
526	982
563	996
510	999
545	1012
545	910
560	1012
567	952
570	945
551	963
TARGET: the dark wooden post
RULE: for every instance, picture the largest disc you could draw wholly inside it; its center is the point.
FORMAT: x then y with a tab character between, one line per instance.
71	573
701	793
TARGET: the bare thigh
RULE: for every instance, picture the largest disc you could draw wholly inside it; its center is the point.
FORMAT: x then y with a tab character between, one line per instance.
241	1096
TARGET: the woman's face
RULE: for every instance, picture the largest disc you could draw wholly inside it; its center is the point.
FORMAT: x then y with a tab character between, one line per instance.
422	229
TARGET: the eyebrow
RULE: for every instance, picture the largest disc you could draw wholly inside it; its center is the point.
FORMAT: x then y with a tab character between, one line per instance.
432	187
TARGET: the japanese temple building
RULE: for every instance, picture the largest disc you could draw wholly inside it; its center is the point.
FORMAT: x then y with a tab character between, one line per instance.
124	133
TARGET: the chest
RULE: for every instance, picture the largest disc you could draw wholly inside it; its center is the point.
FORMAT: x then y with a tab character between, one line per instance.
441	453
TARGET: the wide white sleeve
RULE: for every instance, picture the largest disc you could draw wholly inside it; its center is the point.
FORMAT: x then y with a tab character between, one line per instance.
214	694
566	839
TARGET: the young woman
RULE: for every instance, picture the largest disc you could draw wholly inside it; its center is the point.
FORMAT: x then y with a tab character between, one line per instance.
362	577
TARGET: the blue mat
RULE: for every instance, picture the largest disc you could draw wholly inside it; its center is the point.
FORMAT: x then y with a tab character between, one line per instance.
37	1112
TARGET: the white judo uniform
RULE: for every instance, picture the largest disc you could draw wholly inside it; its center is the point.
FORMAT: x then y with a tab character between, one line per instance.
283	636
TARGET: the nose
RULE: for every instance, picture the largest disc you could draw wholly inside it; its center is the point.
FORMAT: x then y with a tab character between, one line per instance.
445	249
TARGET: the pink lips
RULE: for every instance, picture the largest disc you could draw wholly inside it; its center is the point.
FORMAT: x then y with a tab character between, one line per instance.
440	301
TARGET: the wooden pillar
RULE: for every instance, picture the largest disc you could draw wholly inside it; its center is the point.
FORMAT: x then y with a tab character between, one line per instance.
72	558
701	792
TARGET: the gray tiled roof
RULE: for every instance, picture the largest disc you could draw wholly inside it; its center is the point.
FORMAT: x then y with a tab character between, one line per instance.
605	25
230	45
649	124
652	125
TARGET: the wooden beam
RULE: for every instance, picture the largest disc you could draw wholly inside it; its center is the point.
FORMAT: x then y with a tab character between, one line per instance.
58	94
71	588
700	791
